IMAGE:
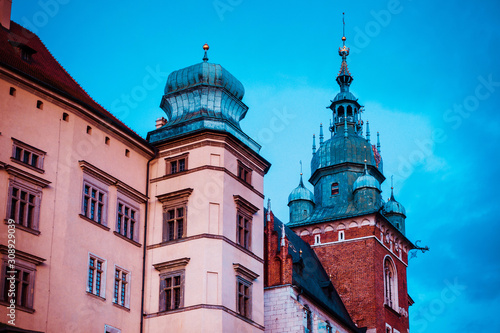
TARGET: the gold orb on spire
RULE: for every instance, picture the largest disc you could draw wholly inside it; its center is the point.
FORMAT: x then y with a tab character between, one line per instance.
343	38
205	47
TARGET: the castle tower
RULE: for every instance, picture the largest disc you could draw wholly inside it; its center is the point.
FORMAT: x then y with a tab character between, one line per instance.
204	260
359	240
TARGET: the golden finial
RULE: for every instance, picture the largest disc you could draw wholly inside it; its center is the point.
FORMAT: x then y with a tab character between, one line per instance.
205	57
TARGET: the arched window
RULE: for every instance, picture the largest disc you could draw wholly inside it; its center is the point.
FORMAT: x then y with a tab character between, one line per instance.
390	283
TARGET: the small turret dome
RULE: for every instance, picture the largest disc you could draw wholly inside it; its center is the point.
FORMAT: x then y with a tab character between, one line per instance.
394	207
301	193
366	181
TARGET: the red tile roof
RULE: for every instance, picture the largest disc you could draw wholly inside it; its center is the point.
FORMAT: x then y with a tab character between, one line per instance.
45	70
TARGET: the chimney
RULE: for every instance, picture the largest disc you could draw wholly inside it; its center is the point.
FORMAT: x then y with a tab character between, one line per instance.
5	8
159	122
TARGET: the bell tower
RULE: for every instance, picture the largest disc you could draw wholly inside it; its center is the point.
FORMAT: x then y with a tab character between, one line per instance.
358	237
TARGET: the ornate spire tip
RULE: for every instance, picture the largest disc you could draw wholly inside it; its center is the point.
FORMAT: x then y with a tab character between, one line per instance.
205	47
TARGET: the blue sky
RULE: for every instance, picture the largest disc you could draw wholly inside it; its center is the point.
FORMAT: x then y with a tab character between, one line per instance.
426	71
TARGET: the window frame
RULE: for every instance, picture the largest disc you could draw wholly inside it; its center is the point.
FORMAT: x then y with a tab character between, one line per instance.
176	160
21	149
335	190
129	234
102	286
247	285
244	173
118	297
85	210
175	222
174	200
244	224
22	267
30	190
163	302
244	211
390	283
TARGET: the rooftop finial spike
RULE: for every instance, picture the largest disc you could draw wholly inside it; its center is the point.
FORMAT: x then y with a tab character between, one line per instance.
378	143
368	131
366	170
343	29
392	188
331	129
344	78
205	57
314	144
321	134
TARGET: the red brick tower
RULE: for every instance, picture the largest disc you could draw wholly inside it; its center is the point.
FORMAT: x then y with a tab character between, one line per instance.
359	239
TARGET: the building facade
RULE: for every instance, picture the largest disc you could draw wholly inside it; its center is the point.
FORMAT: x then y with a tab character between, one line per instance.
105	231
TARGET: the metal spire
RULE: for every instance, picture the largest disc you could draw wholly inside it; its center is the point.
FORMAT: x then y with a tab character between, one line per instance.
321	134
344	78
378	142
392	188
205	57
368	131
331	129
301	183
314	144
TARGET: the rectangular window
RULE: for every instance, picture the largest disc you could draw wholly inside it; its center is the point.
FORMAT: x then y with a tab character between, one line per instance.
24	205
27	155
121	289
94	203
243	304
244	231
176	164
174	223
335	188
96	276
171	291
126	223
18	286
244	173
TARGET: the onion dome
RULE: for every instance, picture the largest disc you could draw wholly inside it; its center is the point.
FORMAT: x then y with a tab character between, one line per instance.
301	193
204	73
202	97
366	181
394	207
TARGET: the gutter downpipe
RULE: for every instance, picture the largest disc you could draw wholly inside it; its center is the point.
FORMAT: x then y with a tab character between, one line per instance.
145	237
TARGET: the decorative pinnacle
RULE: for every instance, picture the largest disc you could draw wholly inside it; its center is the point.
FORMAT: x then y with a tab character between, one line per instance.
320	134
205	47
392	188
378	142
368	131
314	144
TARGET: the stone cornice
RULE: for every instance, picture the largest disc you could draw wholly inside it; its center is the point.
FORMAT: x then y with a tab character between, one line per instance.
245	272
172	264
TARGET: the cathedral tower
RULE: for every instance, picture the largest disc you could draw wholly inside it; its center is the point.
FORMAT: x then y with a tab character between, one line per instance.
204	266
358	238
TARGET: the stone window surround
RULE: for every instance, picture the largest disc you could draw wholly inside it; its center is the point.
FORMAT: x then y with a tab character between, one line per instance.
102	290
167	269
177	158
246	210
175	200
33	151
27	262
117	297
